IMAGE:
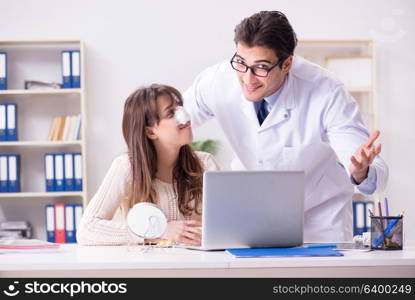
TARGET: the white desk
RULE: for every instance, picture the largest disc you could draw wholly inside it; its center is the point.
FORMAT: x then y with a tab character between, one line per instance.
122	261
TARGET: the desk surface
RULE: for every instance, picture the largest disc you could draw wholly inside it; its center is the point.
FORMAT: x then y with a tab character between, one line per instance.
124	261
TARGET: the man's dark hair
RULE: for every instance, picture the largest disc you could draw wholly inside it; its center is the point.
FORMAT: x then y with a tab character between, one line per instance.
269	29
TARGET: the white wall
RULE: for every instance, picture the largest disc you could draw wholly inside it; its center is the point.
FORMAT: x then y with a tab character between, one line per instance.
133	43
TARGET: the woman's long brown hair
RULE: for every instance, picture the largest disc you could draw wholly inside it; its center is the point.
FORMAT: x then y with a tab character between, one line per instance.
140	111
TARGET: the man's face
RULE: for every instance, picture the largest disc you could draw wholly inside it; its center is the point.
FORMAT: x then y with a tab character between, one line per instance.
256	88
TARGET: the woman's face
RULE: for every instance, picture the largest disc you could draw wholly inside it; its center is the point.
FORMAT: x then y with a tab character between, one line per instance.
168	132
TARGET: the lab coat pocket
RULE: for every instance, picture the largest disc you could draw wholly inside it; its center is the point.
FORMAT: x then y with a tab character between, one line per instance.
291	159
309	158
314	159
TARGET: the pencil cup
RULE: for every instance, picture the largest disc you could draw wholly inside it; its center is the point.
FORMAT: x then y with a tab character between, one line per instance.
386	233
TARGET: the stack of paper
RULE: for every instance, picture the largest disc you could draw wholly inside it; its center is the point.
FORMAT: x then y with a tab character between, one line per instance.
27	246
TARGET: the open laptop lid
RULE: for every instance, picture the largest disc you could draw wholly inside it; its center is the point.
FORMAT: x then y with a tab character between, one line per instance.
243	209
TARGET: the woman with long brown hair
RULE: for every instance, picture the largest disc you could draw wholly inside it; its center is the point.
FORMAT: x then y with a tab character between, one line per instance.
160	167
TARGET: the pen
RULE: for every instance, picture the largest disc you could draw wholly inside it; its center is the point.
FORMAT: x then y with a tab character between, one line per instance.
321	246
386	207
380	215
380	209
388	229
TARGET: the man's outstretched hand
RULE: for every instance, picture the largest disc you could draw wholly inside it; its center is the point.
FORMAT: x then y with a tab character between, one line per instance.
363	157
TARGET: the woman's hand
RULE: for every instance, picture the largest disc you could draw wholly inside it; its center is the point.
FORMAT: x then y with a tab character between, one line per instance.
185	232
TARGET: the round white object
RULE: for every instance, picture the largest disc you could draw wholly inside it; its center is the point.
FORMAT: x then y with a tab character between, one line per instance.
181	115
146	220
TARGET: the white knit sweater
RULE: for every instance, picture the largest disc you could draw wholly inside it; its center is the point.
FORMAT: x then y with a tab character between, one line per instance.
104	219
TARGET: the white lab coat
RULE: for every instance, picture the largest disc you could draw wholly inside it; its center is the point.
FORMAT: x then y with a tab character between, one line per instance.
314	126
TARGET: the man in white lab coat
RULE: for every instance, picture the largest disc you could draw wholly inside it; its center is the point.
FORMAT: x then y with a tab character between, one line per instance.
282	112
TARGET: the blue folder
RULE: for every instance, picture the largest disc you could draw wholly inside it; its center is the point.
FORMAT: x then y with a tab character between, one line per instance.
50	172
14	173
69	172
3	70
50	222
11	125
76	69
70	231
66	65
282	252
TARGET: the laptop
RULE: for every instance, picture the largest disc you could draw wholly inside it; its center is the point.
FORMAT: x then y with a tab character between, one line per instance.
252	209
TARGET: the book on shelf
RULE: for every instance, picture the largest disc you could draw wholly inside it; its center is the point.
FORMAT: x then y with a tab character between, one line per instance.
65	128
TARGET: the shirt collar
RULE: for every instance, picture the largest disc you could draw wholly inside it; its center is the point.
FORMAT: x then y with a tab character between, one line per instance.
272	99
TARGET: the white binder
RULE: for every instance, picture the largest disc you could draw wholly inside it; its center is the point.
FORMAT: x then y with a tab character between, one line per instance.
66	70
69	223
78	215
78	171
3	174
11	122
50	223
50	178
69	180
76	69
3	119
3	70
59	172
360	215
12	171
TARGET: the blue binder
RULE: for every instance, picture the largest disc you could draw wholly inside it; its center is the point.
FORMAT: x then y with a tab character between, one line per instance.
11	124
70	232
50	172
66	69
50	222
361	217
76	69
69	172
3	70
277	252
78	171
3	121
59	172
14	173
4	170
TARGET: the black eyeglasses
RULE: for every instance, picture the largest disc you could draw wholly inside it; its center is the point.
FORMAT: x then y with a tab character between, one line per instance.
256	70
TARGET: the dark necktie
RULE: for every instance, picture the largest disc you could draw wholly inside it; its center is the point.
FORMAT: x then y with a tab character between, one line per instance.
262	112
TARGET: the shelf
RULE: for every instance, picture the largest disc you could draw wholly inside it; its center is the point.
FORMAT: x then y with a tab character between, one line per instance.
40	143
41	92
41	194
38	42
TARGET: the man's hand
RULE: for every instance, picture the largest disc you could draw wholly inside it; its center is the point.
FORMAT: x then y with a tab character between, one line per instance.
363	157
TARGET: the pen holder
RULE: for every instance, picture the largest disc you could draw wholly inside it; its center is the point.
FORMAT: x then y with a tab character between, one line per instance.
386	233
